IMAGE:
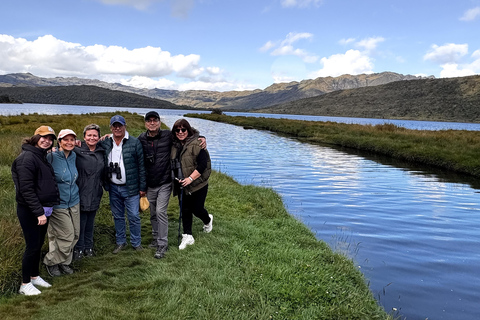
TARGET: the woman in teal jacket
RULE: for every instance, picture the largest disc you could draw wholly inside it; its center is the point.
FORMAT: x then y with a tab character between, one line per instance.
64	224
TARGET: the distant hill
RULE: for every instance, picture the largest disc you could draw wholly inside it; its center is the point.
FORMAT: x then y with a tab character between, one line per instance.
446	99
83	95
231	100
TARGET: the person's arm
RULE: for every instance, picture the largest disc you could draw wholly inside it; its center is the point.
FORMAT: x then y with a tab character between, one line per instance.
26	172
202	160
141	169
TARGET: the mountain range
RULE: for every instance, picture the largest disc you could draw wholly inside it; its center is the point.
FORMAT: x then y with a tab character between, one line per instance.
445	99
230	100
381	95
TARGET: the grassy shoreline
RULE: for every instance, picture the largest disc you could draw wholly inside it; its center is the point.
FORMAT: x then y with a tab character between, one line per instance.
454	150
258	263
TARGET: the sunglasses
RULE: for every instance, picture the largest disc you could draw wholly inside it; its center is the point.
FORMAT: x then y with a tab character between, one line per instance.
180	130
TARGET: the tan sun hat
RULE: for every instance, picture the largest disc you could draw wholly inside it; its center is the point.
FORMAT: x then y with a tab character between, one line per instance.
45	131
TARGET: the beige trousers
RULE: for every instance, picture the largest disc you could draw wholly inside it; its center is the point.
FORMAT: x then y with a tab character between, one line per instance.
63	232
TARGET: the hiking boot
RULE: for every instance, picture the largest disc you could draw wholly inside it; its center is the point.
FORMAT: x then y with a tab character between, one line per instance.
88	253
39	282
119	247
29	289
187	239
77	255
208	227
53	271
153	244
65	269
160	252
138	248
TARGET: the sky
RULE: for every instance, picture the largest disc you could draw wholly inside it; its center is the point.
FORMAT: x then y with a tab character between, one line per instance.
224	45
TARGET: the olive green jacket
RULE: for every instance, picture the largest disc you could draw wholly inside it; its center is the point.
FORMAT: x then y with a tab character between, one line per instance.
188	160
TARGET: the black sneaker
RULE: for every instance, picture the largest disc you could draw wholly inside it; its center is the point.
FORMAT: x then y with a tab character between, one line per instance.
65	269
77	255
53	271
153	244
160	252
119	247
88	253
139	248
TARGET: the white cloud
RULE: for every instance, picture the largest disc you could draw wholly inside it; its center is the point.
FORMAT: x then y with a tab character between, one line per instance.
351	62
216	86
471	14
300	3
370	44
453	60
148	83
285	47
180	8
267	46
137	4
293	37
344	42
48	56
450	70
446	54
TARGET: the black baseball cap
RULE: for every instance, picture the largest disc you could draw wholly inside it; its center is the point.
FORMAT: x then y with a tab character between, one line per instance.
152	114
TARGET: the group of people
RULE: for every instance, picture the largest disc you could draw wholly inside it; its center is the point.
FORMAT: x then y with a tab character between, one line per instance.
58	190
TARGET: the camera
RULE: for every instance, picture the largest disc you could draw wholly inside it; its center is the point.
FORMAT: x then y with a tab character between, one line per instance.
114	168
177	169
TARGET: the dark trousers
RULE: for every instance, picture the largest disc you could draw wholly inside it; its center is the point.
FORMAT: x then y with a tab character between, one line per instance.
34	238
85	240
193	204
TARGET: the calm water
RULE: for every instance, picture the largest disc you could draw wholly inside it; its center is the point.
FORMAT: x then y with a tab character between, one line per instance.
413	231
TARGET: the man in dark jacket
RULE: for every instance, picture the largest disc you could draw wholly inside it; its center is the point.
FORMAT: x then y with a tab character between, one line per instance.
157	144
126	173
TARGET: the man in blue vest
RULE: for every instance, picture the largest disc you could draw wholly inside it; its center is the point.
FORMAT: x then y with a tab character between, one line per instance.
127	182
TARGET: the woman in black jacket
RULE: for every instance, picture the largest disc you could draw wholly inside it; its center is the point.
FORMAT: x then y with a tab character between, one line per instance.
36	194
91	174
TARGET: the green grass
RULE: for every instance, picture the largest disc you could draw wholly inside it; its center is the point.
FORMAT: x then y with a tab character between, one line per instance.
454	150
259	262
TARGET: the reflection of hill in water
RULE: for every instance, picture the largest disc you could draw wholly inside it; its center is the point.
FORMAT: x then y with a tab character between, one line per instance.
418	169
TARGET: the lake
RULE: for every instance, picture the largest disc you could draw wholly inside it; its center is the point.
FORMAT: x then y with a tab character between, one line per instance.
413	231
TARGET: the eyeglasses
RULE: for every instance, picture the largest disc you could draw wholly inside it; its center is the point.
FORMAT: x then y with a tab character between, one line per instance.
152	120
181	129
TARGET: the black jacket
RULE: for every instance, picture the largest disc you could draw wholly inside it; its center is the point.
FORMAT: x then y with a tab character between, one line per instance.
34	180
91	176
156	153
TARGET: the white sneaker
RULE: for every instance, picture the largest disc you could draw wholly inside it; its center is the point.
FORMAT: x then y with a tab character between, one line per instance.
208	227
39	282
29	289
187	239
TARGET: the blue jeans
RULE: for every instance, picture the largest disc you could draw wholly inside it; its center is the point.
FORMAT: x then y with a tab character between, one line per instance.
119	201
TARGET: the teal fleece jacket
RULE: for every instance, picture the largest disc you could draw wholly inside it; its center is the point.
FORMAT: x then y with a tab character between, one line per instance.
66	176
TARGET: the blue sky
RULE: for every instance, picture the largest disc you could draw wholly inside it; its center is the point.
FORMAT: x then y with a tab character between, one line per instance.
237	45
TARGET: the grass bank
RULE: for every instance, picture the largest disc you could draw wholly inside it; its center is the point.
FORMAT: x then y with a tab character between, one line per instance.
258	262
455	150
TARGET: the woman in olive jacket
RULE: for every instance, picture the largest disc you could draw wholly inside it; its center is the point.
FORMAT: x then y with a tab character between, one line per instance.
195	171
36	194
